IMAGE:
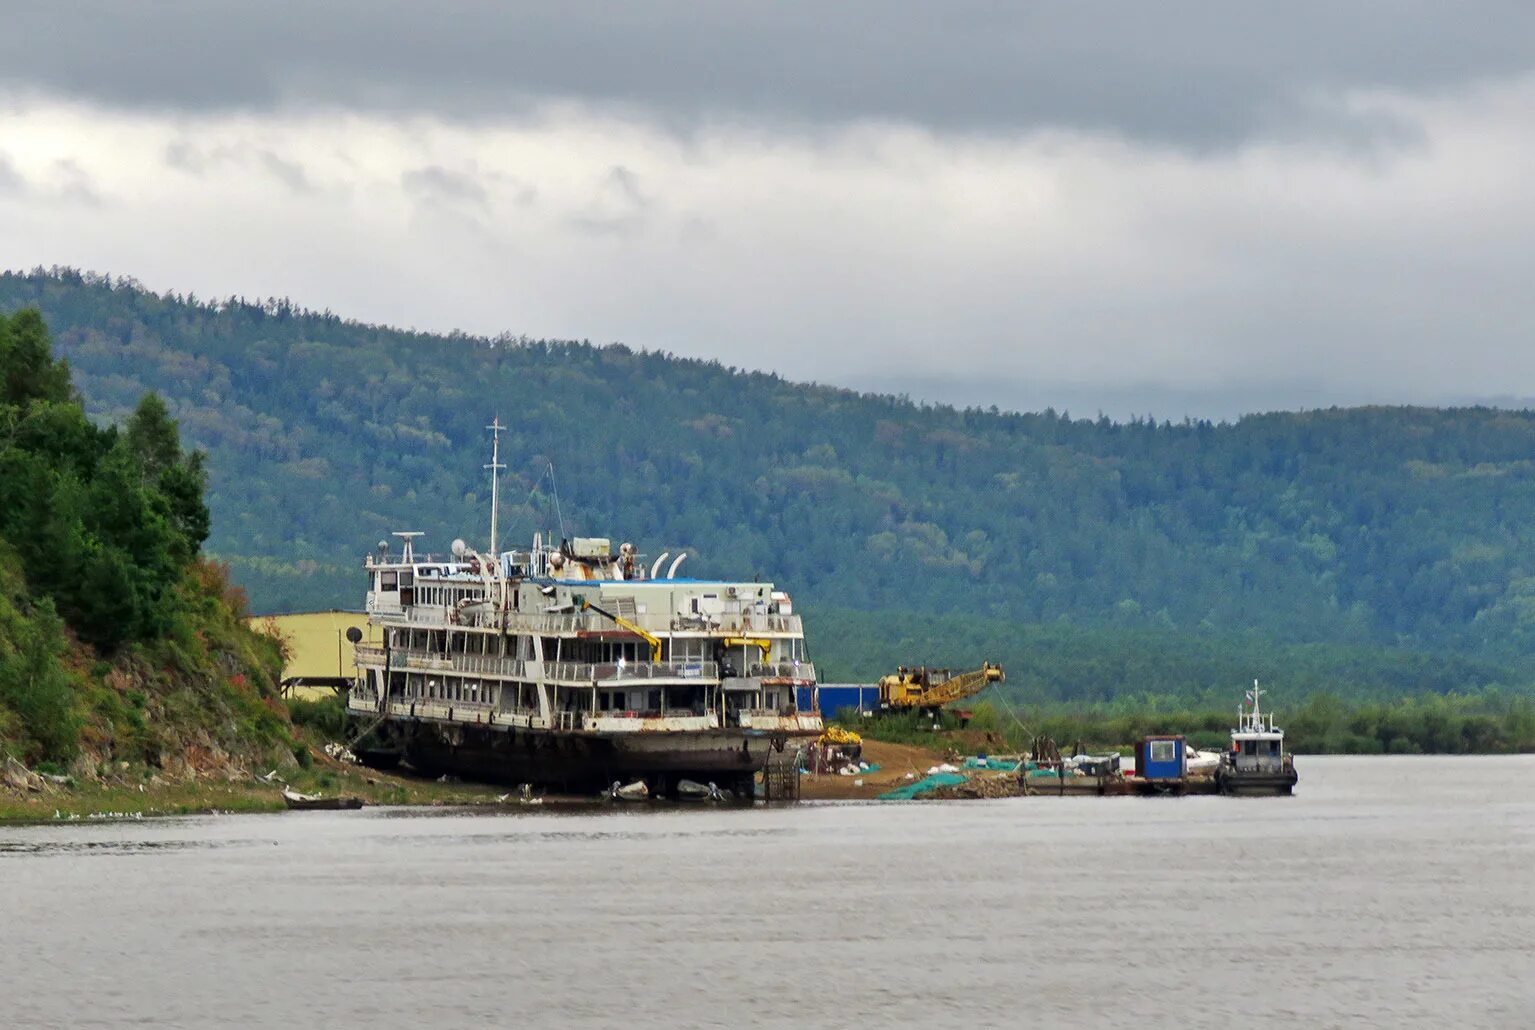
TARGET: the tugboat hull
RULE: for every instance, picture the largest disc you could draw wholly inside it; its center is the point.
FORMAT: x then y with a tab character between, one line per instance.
1257	784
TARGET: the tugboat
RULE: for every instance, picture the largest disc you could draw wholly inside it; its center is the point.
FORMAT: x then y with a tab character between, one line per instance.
1257	762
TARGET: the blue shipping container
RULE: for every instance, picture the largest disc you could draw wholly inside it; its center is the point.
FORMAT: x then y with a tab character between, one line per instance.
836	696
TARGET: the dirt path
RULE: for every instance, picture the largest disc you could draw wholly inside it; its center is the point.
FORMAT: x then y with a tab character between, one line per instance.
894	761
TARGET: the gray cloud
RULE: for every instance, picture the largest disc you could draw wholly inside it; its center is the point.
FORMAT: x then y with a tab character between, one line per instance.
74	185
1180	71
11	181
289	173
188	157
618	207
1134	208
443	185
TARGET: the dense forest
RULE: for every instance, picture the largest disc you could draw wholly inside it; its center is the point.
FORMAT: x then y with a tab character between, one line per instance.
119	642
1369	551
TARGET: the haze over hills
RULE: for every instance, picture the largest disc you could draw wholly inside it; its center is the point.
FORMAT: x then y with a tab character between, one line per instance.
1379	549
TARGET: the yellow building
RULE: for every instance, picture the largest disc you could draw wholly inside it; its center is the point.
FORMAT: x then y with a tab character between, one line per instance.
319	654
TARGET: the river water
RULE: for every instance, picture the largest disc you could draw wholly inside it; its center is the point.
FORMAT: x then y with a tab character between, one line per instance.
1387	892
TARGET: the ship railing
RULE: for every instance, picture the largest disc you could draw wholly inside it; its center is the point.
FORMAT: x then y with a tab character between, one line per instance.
566	721
544	623
749	717
740	622
566	623
369	652
435	661
623	672
748	622
781	670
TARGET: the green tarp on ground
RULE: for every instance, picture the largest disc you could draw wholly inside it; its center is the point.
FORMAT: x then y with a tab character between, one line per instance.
922	786
991	763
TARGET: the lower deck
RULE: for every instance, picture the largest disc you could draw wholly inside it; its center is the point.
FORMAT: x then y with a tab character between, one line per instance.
610	698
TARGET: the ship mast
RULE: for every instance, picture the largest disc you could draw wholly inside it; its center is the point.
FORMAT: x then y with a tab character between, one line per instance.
1253	720
495	466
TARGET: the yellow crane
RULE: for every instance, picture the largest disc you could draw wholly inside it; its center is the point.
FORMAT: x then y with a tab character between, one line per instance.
623	623
758	642
928	690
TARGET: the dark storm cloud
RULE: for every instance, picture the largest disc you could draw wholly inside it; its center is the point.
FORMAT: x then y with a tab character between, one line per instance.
1197	74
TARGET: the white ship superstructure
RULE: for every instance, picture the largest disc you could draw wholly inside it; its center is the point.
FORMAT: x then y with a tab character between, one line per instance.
579	664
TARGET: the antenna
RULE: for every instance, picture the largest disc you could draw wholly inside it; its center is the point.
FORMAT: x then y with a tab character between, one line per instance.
495	466
554	492
409	550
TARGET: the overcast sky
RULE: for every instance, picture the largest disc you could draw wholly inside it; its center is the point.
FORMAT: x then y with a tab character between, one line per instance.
1132	207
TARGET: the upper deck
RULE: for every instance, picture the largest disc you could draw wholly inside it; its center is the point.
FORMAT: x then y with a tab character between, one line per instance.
537	592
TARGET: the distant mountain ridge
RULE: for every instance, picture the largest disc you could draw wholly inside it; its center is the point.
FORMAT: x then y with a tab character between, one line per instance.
1386	528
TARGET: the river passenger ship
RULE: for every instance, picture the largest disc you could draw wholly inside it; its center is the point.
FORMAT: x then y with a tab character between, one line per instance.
577	665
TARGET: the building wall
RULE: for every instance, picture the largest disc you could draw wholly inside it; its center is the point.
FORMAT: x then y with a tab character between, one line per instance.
317	644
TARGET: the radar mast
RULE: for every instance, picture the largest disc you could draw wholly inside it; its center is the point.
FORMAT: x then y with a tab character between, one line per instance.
495	466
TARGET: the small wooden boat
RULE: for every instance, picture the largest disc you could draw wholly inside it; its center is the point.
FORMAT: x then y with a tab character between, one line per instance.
636	791
317	802
692	790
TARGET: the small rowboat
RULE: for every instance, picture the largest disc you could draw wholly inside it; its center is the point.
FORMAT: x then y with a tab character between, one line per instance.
692	790
317	802
636	791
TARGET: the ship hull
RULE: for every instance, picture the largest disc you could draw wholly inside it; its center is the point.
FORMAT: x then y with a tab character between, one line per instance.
582	761
1257	784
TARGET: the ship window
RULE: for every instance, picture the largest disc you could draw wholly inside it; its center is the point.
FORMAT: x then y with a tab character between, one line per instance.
1249	747
388	581
1273	747
1164	751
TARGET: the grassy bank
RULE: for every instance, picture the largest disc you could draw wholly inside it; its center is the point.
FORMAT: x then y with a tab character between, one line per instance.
152	796
142	789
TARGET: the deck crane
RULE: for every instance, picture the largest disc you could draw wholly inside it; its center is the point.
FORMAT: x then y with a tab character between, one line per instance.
928	690
623	623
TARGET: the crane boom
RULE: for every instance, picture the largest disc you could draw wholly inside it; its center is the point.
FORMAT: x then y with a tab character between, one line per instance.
623	623
932	689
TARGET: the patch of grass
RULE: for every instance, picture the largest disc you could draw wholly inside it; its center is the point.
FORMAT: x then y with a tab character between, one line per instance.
326	716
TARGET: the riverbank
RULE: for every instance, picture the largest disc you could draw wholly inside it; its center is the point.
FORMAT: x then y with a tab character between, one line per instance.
894	764
143	792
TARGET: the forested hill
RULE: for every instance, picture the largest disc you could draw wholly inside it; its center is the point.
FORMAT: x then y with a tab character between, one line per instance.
121	649
1364	529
